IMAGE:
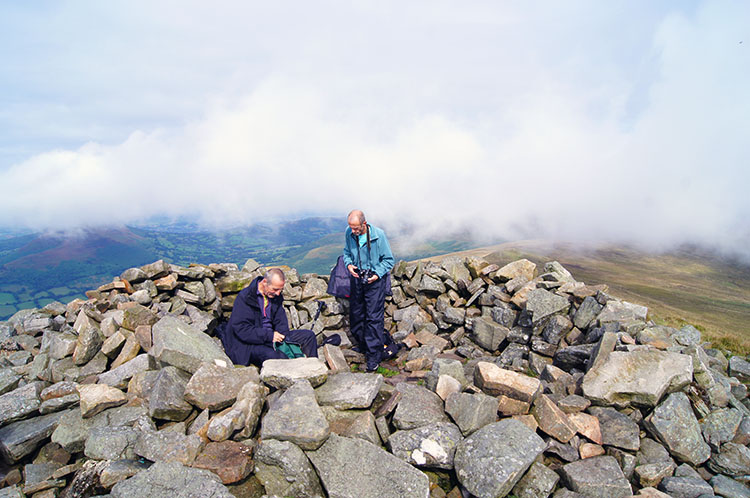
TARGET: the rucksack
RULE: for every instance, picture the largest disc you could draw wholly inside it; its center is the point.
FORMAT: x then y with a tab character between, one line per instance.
290	349
339	285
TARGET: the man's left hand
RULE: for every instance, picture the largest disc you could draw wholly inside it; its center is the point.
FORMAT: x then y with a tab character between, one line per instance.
372	279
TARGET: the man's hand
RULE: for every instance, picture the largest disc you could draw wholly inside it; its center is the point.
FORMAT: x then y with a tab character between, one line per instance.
277	336
353	270
372	279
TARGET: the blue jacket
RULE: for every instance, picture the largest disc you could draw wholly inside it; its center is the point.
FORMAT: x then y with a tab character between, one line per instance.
245	330
378	258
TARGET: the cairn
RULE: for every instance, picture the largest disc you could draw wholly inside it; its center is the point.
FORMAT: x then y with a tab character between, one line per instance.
511	381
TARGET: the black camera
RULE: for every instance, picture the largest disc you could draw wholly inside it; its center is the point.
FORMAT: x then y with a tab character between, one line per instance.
364	275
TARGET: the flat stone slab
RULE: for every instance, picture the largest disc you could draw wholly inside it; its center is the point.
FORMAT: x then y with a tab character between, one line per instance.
168	446
430	446
119	377
355	468
111	443
471	412
497	381
295	416
171	479
617	429
166	398
185	347
20	402
348	390
213	387
492	460
95	398
283	373
230	460
22	438
638	377
542	304
674	424
598	477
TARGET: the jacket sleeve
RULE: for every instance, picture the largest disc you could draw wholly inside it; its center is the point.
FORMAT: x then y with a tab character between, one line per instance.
244	327
386	261
280	323
348	248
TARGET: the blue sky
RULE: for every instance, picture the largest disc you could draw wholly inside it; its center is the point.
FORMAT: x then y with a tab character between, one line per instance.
583	121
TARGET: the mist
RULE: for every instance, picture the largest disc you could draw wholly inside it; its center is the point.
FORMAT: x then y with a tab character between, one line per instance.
588	123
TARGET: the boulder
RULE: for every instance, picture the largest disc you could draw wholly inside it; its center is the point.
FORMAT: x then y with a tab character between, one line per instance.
96	398
22	438
491	461
471	412
418	407
229	460
183	346
596	477
674	424
168	446
542	304
171	479
284	470
617	429
20	403
166	399
538	482
296	417
496	381
356	468
639	377
430	446
348	390
214	387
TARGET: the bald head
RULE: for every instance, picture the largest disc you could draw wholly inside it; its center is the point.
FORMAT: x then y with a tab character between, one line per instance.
356	217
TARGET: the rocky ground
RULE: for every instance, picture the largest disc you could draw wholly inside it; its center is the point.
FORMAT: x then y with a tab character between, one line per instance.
512	380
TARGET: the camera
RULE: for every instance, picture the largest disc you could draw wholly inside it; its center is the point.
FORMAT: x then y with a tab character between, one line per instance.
364	275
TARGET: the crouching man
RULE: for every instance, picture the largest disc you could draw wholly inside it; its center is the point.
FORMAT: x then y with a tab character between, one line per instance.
258	322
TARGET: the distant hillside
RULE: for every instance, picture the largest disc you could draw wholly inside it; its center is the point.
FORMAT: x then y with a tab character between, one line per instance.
684	286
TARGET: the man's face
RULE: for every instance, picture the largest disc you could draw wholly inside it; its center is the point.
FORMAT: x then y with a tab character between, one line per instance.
358	227
273	287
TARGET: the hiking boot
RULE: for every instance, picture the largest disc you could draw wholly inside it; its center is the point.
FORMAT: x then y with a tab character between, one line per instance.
373	362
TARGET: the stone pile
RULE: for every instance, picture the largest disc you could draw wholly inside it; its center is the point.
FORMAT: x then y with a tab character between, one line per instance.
511	381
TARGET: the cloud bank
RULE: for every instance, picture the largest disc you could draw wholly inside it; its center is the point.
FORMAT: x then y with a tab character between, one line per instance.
626	124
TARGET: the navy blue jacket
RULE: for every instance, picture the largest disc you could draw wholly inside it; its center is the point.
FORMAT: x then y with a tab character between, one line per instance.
245	330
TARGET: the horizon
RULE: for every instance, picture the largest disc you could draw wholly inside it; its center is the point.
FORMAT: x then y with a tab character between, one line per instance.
625	125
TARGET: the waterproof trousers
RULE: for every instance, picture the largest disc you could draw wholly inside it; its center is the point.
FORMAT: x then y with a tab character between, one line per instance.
367	317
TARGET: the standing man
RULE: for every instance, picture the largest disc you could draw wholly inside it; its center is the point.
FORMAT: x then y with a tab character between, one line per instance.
258	323
367	254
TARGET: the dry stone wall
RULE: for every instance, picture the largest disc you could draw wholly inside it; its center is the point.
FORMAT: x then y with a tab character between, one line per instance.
515	380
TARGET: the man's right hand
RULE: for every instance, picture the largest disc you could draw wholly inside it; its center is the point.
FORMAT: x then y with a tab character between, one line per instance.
353	270
277	336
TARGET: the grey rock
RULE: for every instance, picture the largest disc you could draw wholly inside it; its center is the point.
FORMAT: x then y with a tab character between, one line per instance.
418	406
487	333
357	469
348	390
617	429
185	347
685	487
171	479
445	366
166	400
471	412
739	368
284	470
596	477
20	403
215	387
111	443
639	377
587	312
622	311
491	461
542	303
651	452
674	424
720	426
119	470
427	446
11	492
90	339
134	275
688	336
57	404
118	377
296	417
732	460
538	482
22	438
61	344
168	446
429	285
556	328
283	373
573	356
8	380
728	487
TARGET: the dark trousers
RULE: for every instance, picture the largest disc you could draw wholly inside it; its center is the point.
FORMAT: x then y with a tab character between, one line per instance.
367	316
305	338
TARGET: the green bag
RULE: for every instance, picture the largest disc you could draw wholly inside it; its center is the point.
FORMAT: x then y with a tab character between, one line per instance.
290	349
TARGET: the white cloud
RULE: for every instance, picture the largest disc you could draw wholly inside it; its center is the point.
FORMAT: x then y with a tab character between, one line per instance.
498	120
